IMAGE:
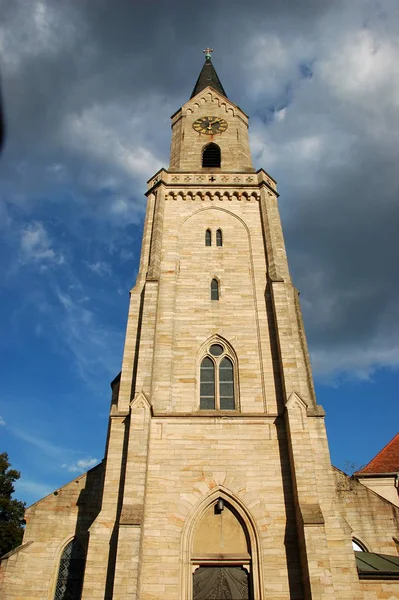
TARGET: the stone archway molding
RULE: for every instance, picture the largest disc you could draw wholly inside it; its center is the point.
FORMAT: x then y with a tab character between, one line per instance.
249	523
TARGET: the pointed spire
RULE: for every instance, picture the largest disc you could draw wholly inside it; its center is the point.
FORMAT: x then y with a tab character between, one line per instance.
208	76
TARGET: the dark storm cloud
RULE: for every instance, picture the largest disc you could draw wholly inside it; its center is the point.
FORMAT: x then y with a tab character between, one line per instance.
89	88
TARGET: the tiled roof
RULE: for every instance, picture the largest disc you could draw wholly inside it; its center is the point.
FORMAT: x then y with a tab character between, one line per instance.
386	461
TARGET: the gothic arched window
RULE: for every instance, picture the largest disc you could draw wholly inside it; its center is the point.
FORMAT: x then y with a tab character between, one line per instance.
217	380
208	237
214	289
211	156
71	572
219	238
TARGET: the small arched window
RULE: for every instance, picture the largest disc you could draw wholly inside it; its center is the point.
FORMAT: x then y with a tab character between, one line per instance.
217	383
214	289
211	156
208	237
71	572
219	238
357	546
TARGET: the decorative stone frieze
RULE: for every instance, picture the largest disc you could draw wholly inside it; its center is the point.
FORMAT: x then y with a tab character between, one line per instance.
213	179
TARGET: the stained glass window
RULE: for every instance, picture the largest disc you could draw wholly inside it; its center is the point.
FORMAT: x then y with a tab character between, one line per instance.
217	381
226	384
207	384
70	572
216	350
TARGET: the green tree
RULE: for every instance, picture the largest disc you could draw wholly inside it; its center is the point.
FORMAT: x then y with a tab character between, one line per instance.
11	511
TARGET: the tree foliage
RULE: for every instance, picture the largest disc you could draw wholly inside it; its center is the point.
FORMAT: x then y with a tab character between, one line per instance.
11	511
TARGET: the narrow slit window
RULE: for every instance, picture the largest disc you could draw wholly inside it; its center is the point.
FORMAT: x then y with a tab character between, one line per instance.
207	384
214	289
208	237
219	238
226	384
211	156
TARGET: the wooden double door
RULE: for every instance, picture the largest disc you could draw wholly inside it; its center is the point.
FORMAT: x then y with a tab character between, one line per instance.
221	583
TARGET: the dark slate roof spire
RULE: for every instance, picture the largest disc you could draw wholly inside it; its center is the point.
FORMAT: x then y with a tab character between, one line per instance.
208	76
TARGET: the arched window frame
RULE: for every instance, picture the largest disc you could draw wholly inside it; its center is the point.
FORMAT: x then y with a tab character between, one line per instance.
204	149
219	238
60	553
231	355
212	289
361	545
208	237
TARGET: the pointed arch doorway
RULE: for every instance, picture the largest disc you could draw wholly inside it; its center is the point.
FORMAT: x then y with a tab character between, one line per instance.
221	558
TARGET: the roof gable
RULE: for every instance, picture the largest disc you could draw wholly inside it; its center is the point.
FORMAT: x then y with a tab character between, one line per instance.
209	95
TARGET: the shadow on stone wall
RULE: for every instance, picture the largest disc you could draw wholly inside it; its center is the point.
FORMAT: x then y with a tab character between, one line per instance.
291	536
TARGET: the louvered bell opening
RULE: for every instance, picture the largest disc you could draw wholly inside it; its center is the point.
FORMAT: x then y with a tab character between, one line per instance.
211	156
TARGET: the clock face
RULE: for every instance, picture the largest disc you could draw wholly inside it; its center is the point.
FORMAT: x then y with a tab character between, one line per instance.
210	125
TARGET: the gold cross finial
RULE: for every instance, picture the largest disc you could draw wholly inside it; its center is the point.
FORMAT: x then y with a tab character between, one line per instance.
207	52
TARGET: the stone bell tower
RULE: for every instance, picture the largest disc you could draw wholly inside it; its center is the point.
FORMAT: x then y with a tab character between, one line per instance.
218	480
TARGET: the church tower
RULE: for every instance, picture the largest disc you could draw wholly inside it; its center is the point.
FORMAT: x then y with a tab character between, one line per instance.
218	481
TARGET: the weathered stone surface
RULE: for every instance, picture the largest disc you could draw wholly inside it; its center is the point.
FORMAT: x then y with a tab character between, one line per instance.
171	468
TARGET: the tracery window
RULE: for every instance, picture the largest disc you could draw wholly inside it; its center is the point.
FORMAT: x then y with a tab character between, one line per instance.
208	237
214	289
217	380
211	156
71	572
219	238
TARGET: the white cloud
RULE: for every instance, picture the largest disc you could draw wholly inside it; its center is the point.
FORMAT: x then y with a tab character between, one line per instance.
361	363
38	28
99	268
51	450
320	82
279	115
111	133
33	488
82	465
332	153
2	421
36	246
92	345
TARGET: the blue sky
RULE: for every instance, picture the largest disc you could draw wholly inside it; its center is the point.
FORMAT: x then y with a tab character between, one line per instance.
88	90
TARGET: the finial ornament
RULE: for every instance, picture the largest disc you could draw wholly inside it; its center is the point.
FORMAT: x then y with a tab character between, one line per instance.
207	53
